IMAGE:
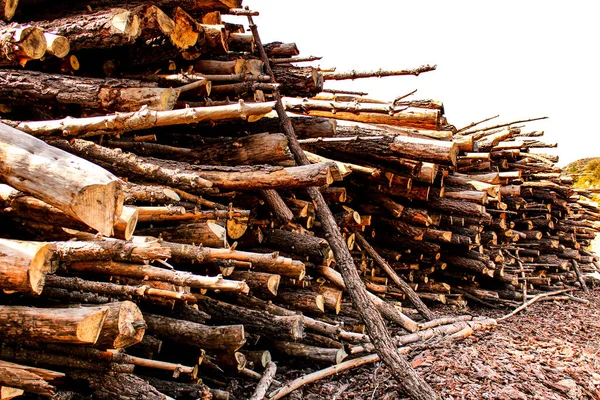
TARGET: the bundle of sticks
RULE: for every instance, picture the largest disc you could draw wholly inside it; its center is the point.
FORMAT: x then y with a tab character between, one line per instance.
162	234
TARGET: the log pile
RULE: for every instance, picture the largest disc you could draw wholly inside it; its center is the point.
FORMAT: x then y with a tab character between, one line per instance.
162	231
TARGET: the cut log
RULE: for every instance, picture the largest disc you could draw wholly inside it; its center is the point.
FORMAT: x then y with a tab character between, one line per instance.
31	379
62	325
159	274
75	186
318	354
124	326
27	87
144	119
102	29
20	44
23	265
218	338
7	9
261	283
210	234
288	327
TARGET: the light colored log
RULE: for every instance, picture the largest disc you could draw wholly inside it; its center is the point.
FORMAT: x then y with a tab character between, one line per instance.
23	265
77	187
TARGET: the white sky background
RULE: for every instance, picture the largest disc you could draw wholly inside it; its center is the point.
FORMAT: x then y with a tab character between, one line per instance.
520	59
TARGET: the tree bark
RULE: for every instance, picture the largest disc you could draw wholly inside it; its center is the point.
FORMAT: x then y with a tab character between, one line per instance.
124	326
159	274
217	338
290	327
77	187
64	325
27	87
30	379
101	29
145	119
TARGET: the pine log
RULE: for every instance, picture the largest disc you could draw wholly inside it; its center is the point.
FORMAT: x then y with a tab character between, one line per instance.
159	274
75	186
23	265
56	45
318	354
332	297
297	243
289	327
101	29
19	44
143	193
218	338
124	326
26	87
144	119
30	379
261	283
119	386
303	300
126	223
7	9
277	205
411	117
264	262
209	234
88	247
64	325
189	177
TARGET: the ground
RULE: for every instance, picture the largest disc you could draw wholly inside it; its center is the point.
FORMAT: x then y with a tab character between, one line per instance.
549	351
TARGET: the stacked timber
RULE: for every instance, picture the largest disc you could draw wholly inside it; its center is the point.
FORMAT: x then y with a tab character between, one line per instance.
161	234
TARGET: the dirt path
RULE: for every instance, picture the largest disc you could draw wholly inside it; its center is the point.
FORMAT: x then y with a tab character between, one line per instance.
551	351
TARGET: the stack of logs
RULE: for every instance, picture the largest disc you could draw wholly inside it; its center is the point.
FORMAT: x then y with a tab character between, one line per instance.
161	224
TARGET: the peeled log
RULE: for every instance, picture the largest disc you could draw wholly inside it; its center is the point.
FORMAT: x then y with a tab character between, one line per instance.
77	187
63	325
28	87
23	265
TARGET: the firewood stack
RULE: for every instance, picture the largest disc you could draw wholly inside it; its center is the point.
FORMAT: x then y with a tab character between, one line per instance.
159	237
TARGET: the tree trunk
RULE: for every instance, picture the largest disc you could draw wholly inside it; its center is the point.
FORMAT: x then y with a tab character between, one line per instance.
24	265
102	29
217	338
159	274
77	187
19	44
146	119
64	325
27	87
30	379
274	327
123	327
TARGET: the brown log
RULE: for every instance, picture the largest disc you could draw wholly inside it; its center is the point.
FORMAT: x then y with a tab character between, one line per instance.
411	117
23	265
88	247
218	338
75	186
303	300
297	243
64	325
124	326
113	386
20	44
101	29
145	119
7	9
318	354
288	327
332	297
260	283
25	87
210	234
149	194
159	274
31	379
